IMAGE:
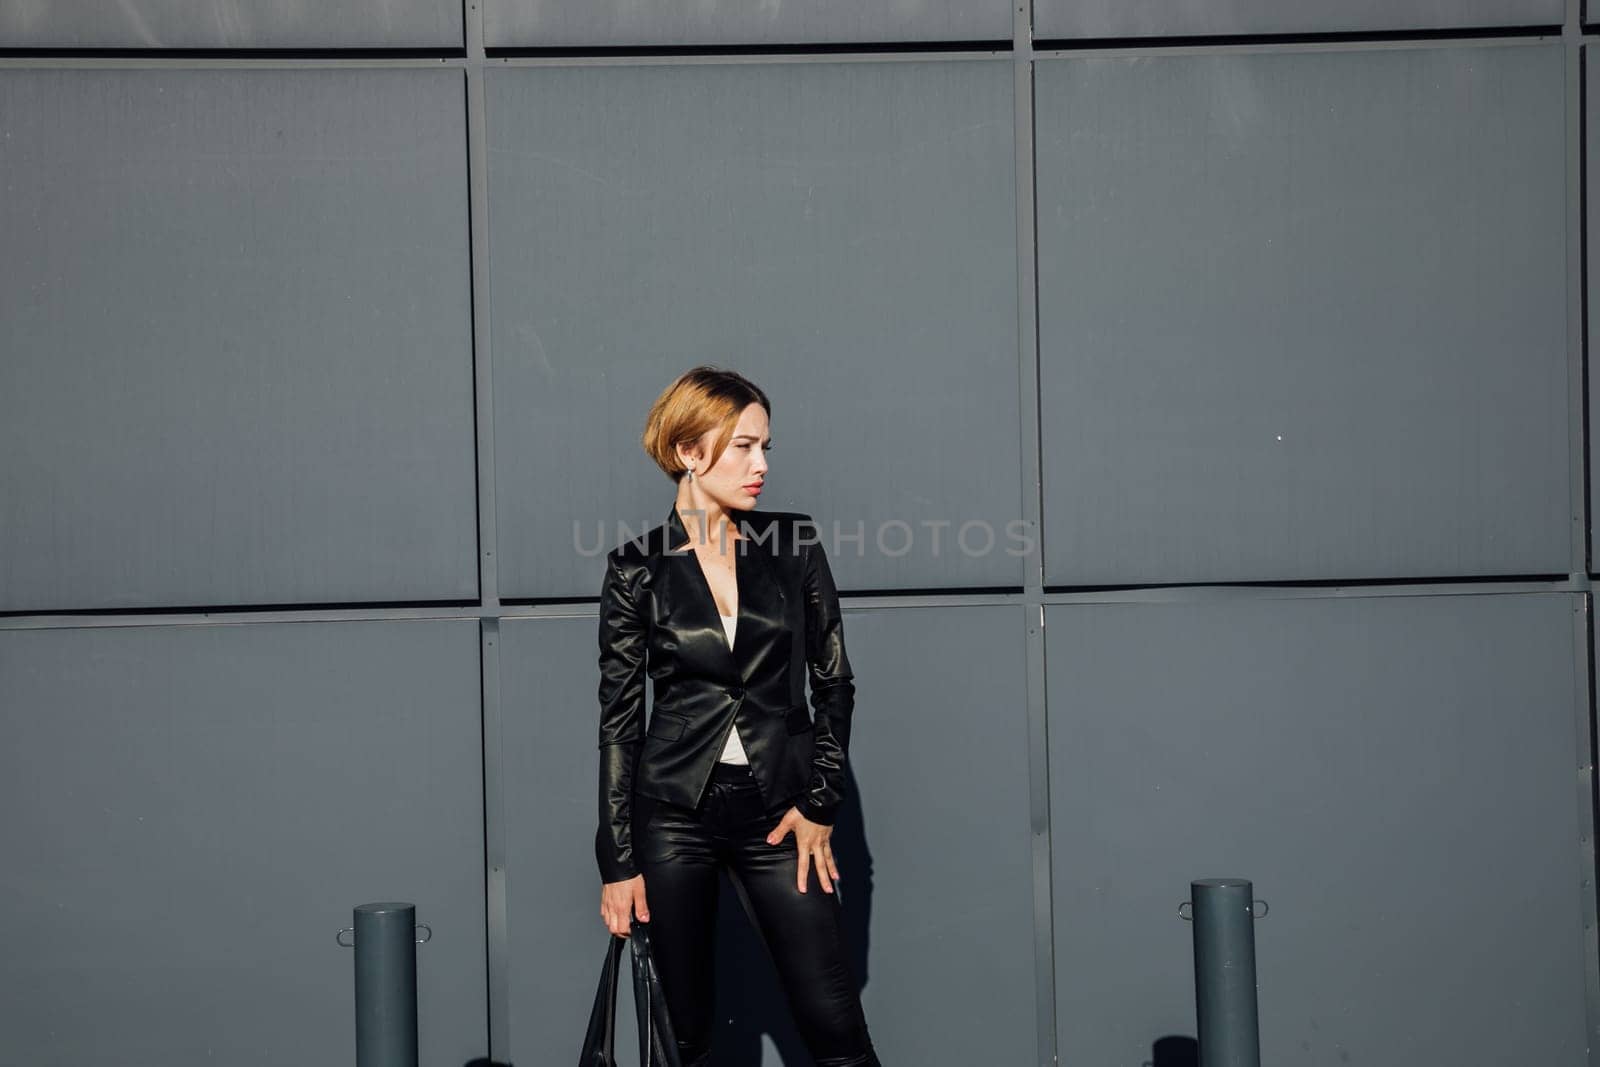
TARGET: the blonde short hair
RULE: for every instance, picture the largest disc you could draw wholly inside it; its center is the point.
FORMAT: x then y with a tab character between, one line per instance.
705	398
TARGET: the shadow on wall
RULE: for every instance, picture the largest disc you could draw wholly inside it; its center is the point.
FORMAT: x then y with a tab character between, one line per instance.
1174	1051
750	1001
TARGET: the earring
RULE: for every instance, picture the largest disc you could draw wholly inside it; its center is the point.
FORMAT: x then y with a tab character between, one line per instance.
691	474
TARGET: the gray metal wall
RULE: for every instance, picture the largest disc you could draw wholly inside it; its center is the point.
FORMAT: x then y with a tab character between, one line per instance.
326	333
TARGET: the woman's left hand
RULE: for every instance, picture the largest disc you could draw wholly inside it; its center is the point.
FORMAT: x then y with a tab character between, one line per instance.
812	840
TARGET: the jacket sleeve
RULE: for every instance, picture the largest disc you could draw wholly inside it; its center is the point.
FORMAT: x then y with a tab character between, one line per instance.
833	691
622	661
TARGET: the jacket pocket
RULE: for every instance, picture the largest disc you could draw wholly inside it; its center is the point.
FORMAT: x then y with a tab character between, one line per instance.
799	719
669	727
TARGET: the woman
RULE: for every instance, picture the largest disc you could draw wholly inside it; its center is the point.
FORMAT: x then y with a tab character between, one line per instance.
729	611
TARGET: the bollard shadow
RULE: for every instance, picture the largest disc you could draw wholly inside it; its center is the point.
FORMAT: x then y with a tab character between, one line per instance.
750	1001
1174	1051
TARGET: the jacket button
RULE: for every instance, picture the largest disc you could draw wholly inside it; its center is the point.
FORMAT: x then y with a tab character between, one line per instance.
736	692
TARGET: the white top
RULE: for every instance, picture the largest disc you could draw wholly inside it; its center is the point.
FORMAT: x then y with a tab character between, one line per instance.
733	751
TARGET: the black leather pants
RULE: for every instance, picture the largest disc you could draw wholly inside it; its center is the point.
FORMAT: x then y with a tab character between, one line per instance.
679	851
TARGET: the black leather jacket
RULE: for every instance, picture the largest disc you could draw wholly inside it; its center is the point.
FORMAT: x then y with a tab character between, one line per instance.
658	618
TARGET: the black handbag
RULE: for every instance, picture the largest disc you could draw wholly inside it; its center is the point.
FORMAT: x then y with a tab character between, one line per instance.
657	1048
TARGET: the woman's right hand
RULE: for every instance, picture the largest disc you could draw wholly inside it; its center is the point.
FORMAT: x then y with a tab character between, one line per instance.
620	901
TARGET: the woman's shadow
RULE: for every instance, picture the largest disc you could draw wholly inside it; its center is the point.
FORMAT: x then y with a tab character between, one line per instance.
750	1001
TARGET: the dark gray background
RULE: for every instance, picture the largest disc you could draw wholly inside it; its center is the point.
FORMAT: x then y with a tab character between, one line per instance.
1326	291
322	373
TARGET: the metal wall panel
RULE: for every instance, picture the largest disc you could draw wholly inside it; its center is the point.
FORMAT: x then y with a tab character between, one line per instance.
1154	18
1302	315
549	770
941	762
948	971
238	363
1396	775
843	233
193	811
1592	197
723	22
230	24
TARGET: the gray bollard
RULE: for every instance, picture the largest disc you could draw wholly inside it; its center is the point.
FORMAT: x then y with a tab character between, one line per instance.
384	937
1225	971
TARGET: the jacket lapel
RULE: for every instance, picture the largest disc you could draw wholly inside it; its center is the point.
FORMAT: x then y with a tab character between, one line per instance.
761	601
761	605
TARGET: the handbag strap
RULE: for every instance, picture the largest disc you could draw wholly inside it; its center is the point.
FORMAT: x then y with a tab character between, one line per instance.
599	1040
657	1045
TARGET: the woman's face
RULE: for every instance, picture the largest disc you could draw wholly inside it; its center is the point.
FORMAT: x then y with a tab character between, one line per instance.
735	482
